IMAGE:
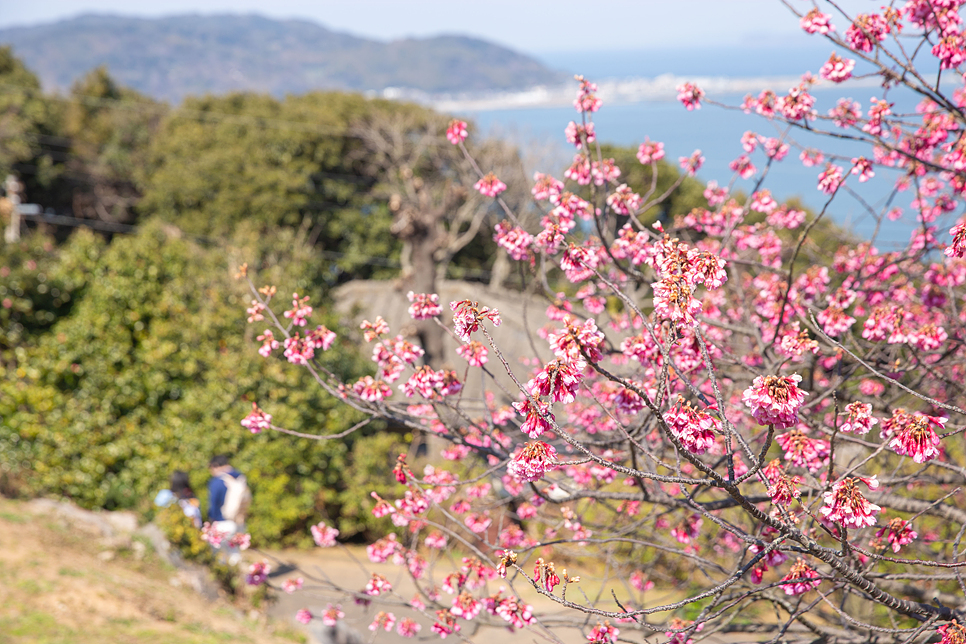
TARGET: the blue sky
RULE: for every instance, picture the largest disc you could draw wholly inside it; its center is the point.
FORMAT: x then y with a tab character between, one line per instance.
535	26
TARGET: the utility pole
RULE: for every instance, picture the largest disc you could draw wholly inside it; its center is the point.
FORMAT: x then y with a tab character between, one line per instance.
13	188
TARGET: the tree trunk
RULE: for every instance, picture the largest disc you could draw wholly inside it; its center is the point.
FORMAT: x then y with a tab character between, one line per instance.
419	231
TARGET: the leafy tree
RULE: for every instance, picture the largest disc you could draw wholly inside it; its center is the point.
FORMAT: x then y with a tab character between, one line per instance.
28	123
221	161
39	284
110	128
150	372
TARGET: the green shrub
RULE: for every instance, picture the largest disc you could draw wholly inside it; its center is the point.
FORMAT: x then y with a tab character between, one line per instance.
153	370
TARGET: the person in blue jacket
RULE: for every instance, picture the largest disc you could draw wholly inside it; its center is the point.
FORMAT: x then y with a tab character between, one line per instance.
228	501
228	495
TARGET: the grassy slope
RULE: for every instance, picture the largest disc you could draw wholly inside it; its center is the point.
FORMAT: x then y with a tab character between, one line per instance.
55	590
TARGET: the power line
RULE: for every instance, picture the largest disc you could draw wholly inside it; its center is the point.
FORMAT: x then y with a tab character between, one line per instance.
96	224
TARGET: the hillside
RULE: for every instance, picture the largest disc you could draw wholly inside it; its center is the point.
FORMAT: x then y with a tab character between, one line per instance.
172	57
63	583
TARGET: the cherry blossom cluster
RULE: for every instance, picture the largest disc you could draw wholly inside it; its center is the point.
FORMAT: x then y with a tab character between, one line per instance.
703	387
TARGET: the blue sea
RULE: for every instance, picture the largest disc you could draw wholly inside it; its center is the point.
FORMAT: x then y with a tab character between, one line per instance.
717	132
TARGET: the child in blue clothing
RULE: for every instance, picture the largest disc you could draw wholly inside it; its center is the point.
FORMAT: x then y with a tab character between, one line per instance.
180	491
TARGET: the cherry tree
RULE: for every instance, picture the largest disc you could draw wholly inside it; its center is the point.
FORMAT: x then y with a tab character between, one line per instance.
751	423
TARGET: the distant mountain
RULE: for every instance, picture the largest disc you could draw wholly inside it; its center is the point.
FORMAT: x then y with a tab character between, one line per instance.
193	54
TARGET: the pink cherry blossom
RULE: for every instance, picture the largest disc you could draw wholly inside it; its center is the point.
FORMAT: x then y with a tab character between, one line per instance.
489	186
603	634
860	419
782	488
474	353
913	435
958	247
408	627
866	31
775	149
688	530
532	462
384	621
811	158
786	218
373	330
371	390
255	311
468	315
695	429
445	624
298	350
650	152
804	451
952	633
515	240
862	167
845	114
300	310
558	380
715	195
586	100
377	585
257	420
639	582
303	616
743	166
950	50
534	425
258	573
690	96
775	400
797	104
579	170
691	164
898	533
623	200
817	22
877	112
762	201
456	132
830	178
212	535
845	504
837	69
332	615
800	579
324	535
545	187
269	343
424	306
577	134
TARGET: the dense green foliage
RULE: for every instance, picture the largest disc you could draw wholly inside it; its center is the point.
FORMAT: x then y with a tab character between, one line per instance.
152	371
220	161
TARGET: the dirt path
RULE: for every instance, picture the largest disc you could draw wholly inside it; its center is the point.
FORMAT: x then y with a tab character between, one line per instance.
348	567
